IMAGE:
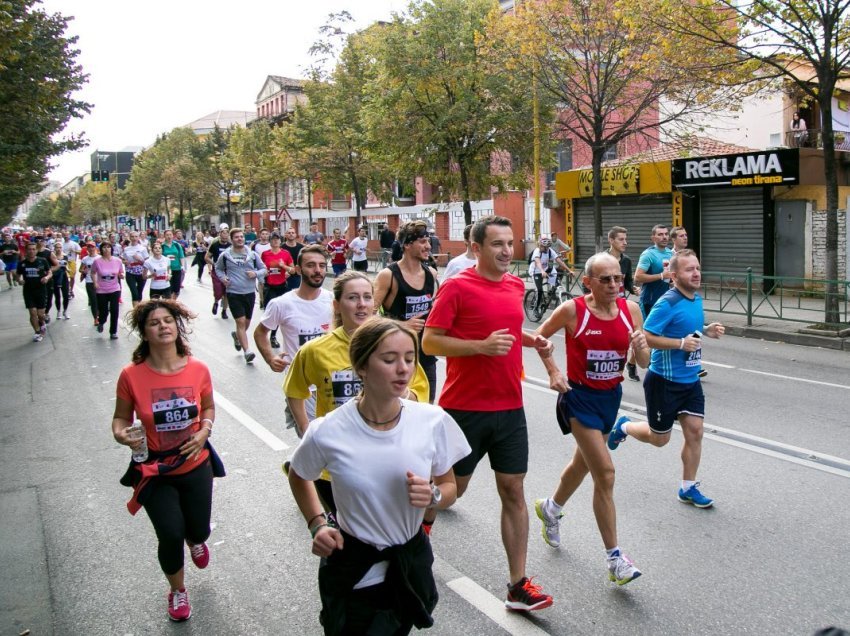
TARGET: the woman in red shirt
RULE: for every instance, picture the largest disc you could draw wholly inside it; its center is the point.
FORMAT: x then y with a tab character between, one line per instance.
171	393
279	263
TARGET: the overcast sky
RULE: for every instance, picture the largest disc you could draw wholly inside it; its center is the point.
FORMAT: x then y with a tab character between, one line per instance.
158	64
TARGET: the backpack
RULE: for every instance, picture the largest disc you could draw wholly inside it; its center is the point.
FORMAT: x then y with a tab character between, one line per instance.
551	257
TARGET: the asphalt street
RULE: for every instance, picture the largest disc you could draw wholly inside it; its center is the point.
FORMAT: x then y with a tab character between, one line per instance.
768	559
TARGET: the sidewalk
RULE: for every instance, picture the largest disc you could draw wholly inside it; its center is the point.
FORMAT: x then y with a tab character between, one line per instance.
774	330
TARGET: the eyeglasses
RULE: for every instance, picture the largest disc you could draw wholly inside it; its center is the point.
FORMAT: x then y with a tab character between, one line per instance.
607	280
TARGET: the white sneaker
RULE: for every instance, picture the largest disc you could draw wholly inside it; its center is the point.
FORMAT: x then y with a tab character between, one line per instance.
621	570
551	529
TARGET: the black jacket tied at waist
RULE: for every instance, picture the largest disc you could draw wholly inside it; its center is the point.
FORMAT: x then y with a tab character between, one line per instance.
409	580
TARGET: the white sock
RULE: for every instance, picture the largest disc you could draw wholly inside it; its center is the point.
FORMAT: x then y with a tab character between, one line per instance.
687	484
613	552
625	428
554	509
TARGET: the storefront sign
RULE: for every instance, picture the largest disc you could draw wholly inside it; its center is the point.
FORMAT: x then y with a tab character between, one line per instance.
770	167
569	230
616	180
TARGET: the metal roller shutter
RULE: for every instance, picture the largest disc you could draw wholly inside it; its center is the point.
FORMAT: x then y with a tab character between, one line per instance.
637	214
732	230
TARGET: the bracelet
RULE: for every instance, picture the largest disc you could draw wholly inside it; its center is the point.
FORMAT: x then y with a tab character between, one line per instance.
315	531
314	517
682	343
209	428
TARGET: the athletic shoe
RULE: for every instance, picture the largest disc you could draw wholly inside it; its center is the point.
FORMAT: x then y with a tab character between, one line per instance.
178	606
621	570
99	328
693	496
617	436
235	341
702	373
70	294
215	308
224	313
285	467
551	529
249	357
200	555
633	374
113	336
275	344
65	316
43	329
37	337
525	596
120	300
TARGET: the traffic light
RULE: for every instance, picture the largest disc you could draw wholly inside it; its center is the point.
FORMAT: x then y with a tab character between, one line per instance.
100	175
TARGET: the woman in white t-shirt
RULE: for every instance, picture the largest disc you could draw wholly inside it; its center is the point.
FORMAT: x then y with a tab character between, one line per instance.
158	270
411	448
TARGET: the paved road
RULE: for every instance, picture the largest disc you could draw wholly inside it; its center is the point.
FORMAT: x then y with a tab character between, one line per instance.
768	559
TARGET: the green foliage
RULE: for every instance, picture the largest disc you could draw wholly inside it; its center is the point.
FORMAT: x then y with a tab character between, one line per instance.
38	75
440	108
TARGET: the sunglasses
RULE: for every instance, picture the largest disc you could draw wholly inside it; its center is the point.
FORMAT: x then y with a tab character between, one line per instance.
607	280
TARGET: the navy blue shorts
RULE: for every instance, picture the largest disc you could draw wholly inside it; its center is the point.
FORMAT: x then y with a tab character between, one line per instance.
592	408
666	401
503	435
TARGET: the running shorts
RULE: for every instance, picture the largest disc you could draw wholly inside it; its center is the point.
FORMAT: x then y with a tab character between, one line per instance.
241	305
503	435
666	400
592	408
35	298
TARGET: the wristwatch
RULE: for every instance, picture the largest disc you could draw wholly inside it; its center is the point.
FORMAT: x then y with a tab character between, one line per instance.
436	496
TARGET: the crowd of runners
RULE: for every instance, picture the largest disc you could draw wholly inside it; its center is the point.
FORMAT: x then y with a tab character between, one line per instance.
377	460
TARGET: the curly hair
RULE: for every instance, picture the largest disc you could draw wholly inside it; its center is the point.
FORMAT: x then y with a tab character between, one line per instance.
137	319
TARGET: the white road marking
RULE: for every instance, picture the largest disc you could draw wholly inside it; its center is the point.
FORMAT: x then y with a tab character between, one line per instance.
493	608
274	442
789	377
745	441
717	364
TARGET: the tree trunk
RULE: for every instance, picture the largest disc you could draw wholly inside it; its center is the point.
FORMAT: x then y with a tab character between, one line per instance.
464	190
309	201
597	197
831	304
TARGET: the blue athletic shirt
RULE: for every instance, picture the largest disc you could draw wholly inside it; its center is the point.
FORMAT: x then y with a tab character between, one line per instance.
652	262
676	316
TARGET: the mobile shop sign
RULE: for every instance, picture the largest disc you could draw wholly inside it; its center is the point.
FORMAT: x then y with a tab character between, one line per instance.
765	168
615	180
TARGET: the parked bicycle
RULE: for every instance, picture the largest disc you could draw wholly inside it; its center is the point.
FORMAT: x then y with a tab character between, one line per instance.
553	296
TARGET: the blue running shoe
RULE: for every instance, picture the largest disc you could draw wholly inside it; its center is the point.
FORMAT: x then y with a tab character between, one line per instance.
693	496
617	436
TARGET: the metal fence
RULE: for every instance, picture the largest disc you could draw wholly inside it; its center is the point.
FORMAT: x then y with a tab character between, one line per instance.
773	297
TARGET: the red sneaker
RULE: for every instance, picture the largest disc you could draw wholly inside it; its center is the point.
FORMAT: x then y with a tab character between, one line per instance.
525	596
200	555
178	606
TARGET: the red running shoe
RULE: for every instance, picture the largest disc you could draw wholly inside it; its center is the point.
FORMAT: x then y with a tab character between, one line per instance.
178	606
525	596
200	555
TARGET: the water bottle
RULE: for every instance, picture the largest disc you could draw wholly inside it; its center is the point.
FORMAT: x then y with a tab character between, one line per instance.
137	431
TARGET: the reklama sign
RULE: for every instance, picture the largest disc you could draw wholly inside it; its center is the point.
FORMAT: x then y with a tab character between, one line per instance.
762	168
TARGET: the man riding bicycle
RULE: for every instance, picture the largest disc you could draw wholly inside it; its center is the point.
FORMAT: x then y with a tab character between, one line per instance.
543	261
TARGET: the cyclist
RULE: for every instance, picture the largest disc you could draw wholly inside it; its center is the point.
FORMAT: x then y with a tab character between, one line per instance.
543	261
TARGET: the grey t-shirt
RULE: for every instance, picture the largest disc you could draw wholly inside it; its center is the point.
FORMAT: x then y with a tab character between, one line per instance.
310	238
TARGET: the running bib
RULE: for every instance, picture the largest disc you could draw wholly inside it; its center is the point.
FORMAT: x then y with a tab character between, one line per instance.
161	277
174	414
171	257
274	270
345	386
694	358
108	277
304	338
604	365
415	305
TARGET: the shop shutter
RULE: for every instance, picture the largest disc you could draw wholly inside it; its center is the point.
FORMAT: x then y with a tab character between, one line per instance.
637	214
732	230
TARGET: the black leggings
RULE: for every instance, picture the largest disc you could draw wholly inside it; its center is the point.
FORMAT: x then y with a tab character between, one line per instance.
179	509
92	294
60	293
136	285
108	304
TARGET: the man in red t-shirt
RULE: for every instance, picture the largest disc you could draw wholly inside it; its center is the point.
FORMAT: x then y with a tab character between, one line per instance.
476	322
599	329
338	249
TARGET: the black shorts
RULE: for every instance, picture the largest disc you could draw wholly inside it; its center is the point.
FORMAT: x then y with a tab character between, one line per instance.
360	266
271	292
666	400
165	292
502	435
35	297
176	279
241	305
592	408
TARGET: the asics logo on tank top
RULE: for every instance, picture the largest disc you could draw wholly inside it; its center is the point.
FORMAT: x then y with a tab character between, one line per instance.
592	332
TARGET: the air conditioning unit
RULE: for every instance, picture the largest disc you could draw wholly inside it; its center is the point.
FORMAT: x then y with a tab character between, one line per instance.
550	200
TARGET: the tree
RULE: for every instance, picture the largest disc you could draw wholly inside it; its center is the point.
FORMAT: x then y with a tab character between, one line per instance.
250	154
612	78
38	76
222	174
442	109
41	214
91	203
806	43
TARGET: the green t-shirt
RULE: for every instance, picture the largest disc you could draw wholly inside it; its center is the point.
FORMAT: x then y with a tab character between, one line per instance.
175	254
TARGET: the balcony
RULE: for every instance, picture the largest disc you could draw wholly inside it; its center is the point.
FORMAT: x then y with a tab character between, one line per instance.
813	138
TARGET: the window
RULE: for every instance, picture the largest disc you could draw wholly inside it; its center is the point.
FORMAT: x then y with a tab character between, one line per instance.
610	153
563	157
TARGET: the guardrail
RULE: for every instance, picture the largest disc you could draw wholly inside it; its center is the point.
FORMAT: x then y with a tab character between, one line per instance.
773	297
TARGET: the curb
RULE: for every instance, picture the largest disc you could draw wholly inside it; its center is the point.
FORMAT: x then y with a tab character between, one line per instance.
805	340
